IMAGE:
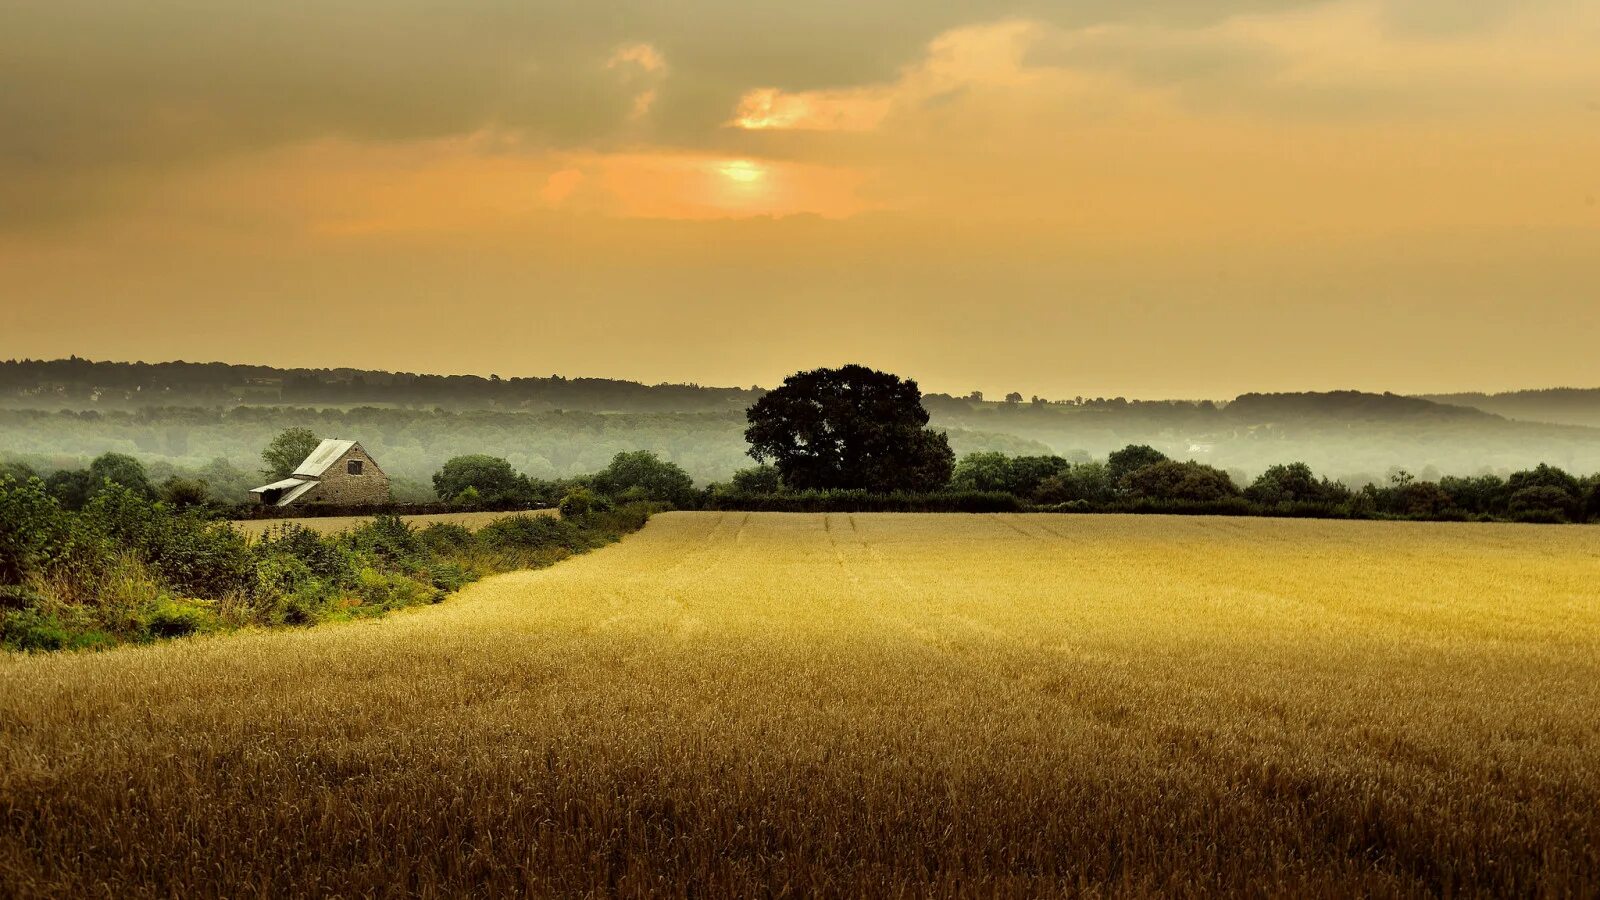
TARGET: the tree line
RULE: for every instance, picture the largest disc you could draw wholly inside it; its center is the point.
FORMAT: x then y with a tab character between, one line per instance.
856	430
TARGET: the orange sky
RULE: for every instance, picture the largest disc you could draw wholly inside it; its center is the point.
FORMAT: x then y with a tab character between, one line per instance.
1141	198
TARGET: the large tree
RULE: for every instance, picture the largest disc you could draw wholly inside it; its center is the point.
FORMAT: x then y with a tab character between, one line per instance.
849	428
287	451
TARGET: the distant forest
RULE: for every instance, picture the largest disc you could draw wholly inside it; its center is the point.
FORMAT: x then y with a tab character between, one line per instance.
215	418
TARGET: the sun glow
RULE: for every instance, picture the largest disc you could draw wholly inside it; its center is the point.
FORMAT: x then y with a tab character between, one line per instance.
743	171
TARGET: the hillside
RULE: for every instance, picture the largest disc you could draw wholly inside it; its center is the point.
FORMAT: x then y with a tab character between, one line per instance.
1565	406
189	416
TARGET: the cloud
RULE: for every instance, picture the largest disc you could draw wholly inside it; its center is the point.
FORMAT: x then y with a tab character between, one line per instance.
105	99
101	91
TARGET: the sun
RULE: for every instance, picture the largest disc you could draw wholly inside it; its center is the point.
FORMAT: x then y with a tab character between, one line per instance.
743	171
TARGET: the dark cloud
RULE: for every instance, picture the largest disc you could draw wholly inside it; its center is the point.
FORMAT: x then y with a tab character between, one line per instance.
92	82
93	89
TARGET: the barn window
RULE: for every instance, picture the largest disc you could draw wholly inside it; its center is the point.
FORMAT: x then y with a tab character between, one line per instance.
353	467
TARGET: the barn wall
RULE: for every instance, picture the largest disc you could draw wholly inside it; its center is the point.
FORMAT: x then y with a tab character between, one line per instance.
337	486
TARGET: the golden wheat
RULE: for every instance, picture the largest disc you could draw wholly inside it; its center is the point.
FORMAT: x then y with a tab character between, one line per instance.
884	705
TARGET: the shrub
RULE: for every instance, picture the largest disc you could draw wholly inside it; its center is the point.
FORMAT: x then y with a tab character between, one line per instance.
530	533
490	479
1181	481
183	493
445	537
32	629
200	559
1086	483
1294	484
580	501
323	558
643	476
1122	463
387	538
173	619
1543	503
32	529
757	480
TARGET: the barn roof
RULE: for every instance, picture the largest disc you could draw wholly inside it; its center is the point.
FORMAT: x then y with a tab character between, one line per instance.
292	489
326	454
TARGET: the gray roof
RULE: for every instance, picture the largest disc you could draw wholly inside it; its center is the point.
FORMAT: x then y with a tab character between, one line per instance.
292	489
326	454
278	485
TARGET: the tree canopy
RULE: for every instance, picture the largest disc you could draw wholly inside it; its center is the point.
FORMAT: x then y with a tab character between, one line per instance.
641	475
849	428
490	478
287	451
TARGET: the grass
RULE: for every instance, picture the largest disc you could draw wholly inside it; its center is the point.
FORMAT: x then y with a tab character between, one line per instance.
886	705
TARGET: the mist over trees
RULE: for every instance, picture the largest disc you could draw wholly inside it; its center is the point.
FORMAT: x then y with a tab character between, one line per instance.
210	421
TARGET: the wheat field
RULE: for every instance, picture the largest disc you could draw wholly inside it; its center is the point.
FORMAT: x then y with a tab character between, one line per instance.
731	704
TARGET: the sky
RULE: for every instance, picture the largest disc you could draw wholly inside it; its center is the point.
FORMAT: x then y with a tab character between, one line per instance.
1143	198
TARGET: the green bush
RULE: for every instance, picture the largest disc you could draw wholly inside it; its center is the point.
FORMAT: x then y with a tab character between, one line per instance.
442	538
388	539
33	529
643	476
322	557
173	619
129	568
32	629
531	533
580	501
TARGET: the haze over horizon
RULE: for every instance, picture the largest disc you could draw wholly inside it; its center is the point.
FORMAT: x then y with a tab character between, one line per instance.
1152	199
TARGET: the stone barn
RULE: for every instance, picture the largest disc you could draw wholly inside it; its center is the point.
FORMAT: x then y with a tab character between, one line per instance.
336	472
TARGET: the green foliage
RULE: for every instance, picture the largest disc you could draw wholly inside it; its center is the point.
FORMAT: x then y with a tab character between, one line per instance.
321	558
849	428
1181	481
128	569
17	471
71	488
641	476
1019	475
33	529
1088	484
490	480
532	532
1543	503
386	538
173	619
757	480
183	493
1130	459
121	470
580	501
981	472
444	538
1292	484
32	629
287	451
1482	495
